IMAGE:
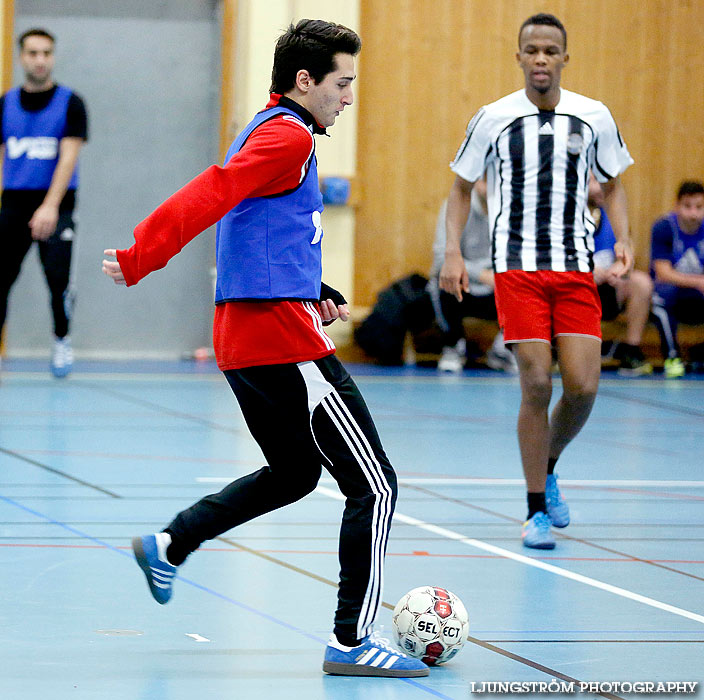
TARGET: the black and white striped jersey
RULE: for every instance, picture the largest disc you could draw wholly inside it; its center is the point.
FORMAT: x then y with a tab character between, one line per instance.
537	166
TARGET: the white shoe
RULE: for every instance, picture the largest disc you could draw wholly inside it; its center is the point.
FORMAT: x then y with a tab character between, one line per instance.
499	357
452	358
62	357
503	362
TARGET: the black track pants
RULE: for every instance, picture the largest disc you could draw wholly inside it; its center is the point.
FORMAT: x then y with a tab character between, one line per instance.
303	416
55	256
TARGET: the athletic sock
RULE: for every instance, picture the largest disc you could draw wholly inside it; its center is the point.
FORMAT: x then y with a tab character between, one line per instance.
175	554
536	504
551	465
347	640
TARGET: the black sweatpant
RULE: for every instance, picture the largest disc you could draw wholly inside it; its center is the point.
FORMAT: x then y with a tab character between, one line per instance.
454	312
303	416
54	253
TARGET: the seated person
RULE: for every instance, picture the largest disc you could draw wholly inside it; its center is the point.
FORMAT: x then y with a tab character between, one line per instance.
479	302
678	269
632	294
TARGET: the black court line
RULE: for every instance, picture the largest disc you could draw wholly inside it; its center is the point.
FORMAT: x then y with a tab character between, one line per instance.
163	409
673	408
562	535
474	640
58	472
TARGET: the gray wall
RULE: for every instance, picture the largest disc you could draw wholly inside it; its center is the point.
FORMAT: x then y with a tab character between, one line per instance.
149	73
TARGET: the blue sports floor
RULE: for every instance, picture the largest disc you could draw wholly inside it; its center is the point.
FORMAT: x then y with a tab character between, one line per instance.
116	450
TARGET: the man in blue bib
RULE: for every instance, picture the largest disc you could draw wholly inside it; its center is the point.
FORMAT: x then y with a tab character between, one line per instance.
44	126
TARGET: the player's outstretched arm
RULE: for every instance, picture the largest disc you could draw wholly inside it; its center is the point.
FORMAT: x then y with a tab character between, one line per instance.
112	268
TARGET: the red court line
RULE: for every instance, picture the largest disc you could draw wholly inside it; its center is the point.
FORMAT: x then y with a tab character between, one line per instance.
35	545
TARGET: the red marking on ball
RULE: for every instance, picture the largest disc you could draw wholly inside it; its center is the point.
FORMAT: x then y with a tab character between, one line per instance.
432	652
442	609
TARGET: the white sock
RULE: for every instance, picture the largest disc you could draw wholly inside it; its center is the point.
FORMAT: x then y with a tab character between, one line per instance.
334	643
163	540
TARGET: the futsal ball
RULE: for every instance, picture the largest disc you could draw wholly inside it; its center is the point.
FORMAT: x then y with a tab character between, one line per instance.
430	624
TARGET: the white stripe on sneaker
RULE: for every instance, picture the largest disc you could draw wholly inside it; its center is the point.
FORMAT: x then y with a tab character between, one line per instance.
379	658
367	657
390	662
161	575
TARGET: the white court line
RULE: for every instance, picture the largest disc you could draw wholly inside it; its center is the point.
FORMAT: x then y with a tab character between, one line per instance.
478	544
471	481
197	637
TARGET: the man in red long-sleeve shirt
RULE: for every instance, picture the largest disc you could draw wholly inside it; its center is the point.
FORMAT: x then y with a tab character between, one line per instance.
300	404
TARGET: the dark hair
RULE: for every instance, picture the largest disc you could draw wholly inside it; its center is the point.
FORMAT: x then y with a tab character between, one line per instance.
311	45
545	19
689	187
35	32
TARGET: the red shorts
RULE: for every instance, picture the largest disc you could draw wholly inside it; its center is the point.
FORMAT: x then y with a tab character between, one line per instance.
544	304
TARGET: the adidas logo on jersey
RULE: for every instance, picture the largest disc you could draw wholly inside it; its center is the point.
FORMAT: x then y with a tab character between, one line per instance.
546	130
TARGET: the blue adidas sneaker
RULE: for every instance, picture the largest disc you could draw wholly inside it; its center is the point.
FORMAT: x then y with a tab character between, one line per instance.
373	657
536	532
150	552
558	510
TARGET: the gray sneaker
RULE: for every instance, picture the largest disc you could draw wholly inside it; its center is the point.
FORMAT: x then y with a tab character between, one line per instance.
502	361
62	357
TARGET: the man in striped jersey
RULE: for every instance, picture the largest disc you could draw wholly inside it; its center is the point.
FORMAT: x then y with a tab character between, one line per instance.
536	147
299	402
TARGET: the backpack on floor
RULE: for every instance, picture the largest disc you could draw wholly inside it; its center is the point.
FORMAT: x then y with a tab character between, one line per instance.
403	306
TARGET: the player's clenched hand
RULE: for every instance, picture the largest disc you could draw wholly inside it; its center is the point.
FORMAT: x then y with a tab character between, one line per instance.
329	312
112	268
623	263
43	222
453	276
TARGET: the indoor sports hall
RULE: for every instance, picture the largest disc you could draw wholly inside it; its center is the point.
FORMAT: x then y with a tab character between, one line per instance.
116	450
143	423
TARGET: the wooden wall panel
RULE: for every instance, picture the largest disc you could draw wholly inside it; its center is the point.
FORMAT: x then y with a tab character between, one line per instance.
428	65
7	42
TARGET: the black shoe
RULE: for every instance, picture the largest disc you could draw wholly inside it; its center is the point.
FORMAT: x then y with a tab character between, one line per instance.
632	362
608	348
696	354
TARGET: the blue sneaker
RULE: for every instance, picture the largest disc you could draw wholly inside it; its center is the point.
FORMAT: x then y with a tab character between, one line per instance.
150	552
373	657
536	532
558	510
